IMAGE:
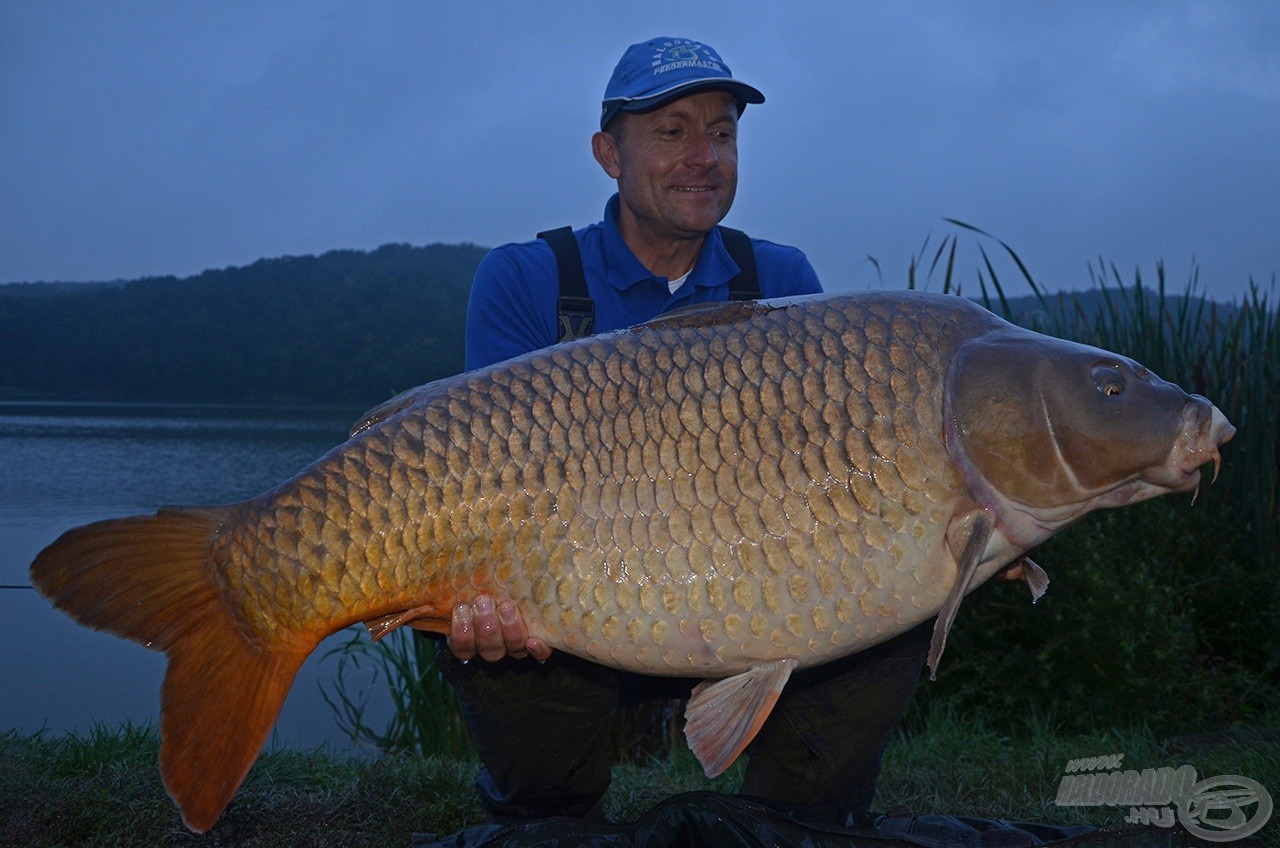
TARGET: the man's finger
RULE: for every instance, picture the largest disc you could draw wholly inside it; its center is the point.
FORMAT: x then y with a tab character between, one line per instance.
514	632
538	649
492	631
488	629
462	637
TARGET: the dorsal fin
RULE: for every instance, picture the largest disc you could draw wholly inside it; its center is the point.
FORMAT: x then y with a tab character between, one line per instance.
388	408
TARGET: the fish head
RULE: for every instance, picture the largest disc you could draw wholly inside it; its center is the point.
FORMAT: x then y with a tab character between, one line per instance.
1052	429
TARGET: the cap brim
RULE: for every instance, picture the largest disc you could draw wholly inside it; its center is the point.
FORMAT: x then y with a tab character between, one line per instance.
743	92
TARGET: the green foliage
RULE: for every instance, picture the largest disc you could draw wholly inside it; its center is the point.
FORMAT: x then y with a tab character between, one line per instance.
1146	623
347	326
955	762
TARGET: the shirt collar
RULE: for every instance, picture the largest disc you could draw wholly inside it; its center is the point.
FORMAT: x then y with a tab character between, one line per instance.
713	268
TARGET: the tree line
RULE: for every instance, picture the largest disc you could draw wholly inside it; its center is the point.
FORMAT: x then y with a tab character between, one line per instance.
345	327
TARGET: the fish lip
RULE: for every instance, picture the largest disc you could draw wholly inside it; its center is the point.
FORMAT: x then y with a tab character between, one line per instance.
1190	480
1221	431
1205	431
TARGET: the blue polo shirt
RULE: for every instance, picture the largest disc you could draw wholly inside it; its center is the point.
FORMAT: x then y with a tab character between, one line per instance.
516	292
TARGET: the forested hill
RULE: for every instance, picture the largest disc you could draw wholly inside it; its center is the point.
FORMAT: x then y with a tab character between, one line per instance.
345	327
348	327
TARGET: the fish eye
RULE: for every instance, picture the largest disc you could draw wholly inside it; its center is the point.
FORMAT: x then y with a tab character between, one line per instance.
1108	380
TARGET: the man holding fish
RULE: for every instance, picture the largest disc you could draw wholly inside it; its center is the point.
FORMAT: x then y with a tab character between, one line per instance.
775	496
668	136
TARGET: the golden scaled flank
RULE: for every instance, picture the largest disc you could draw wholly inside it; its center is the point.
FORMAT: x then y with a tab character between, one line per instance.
754	478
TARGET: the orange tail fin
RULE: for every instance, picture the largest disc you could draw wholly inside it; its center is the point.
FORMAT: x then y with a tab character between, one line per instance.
148	578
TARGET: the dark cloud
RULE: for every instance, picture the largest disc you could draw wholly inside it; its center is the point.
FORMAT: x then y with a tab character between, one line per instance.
157	139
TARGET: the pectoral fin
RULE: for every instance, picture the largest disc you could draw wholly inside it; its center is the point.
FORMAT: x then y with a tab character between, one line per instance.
967	564
723	716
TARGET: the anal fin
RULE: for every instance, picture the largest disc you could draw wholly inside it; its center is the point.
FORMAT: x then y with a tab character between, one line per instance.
723	716
420	618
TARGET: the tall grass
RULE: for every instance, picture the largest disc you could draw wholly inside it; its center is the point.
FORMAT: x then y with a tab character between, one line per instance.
425	717
1162	616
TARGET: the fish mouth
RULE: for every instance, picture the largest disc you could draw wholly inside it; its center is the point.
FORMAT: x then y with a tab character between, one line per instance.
1205	430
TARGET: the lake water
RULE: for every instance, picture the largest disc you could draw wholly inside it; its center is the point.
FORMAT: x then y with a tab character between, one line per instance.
62	465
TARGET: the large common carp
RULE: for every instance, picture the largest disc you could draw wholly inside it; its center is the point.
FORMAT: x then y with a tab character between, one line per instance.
731	492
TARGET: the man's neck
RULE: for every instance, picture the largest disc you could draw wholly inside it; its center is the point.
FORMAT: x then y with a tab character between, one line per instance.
664	257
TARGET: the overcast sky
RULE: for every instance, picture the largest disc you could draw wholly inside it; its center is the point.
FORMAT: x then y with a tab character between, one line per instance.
166	138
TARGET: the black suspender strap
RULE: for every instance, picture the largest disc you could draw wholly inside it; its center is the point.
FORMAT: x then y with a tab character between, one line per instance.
577	314
745	286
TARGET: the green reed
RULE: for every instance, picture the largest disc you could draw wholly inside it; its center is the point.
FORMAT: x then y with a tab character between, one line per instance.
425	717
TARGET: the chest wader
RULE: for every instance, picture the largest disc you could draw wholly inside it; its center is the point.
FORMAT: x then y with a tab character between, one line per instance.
576	315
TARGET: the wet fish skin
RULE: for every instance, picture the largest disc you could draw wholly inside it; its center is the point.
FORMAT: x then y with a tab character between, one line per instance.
742	489
658	500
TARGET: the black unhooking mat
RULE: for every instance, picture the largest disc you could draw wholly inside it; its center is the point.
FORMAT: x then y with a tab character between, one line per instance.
709	819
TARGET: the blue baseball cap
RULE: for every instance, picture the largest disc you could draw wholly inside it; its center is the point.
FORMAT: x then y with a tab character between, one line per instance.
657	71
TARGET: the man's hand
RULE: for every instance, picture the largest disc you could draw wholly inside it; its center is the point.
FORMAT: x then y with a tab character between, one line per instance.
492	631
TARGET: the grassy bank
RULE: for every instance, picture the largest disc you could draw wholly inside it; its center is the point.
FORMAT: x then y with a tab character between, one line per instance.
103	788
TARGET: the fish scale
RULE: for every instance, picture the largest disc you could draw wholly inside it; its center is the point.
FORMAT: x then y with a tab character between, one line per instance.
731	492
636	479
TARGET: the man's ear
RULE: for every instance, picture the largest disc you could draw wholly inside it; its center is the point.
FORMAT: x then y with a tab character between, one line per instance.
605	148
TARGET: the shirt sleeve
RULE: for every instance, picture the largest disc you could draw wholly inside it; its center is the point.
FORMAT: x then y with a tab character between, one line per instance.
784	271
511	310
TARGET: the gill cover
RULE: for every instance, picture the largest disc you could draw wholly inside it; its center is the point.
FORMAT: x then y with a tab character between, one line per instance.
1048	422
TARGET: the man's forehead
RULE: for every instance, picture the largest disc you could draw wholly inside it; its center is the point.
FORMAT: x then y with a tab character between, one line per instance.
718	105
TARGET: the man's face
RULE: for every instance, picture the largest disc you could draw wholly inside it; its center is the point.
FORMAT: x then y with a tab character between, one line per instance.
676	167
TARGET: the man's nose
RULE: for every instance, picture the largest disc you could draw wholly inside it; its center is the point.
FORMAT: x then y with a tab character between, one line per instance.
702	151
